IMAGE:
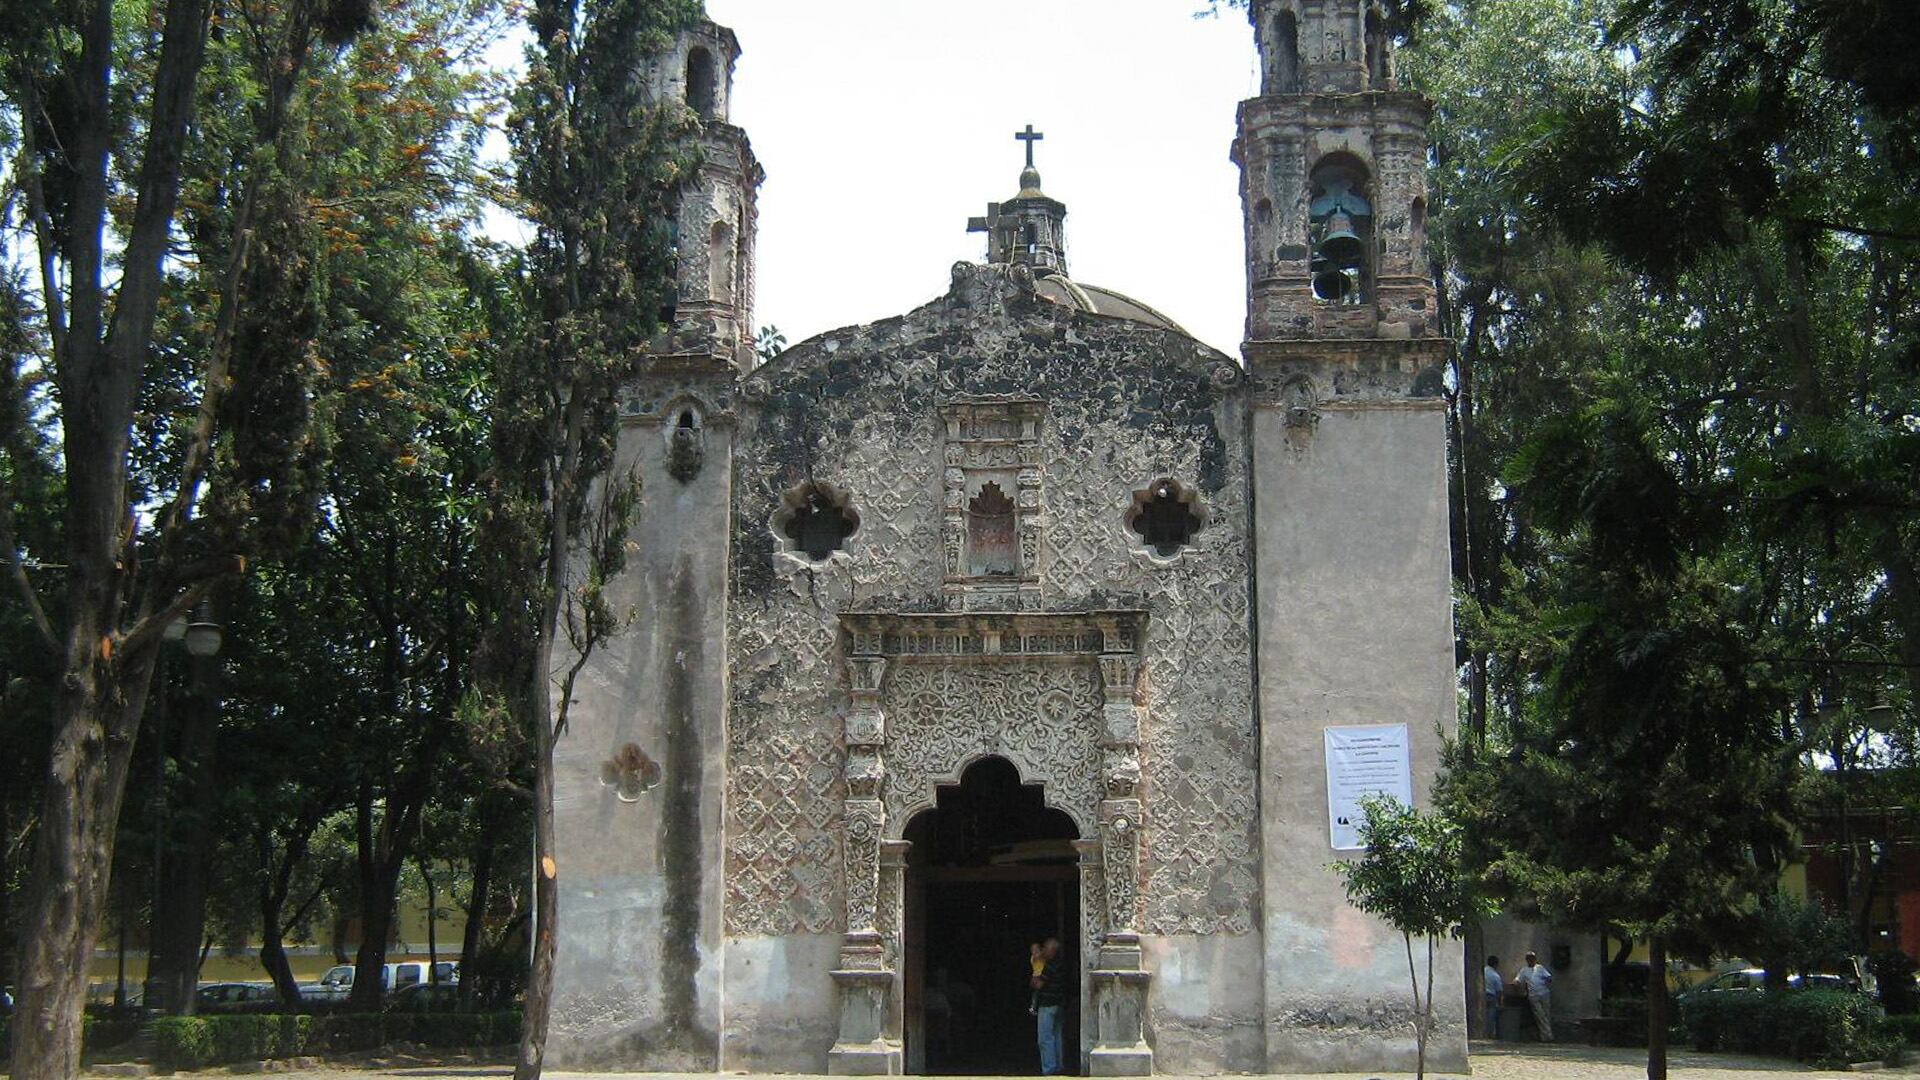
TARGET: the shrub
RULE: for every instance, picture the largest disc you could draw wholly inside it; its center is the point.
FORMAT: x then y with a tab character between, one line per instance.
195	1042
1836	1026
1905	1028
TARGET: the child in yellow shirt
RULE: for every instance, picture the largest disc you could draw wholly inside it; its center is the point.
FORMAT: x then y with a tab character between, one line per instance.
1038	963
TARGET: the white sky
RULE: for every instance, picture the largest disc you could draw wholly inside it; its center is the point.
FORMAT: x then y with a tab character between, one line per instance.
884	124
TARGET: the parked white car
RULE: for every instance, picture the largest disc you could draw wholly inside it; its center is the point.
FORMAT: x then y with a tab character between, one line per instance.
337	983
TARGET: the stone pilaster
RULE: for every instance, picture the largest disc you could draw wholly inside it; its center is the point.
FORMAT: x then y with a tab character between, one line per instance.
1119	977
869	1039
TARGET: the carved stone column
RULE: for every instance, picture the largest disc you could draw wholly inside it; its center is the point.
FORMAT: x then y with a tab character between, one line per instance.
1093	933
1119	978
869	1042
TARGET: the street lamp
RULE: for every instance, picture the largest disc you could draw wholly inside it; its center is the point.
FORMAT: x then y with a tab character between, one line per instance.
203	635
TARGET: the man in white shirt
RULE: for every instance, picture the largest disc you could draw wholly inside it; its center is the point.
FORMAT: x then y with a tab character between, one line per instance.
1538	982
1492	986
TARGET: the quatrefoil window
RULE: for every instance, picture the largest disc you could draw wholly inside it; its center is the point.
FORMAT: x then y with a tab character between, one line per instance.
816	520
1165	515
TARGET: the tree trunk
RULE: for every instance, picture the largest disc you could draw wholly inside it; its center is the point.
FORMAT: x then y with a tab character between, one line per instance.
1657	1002
546	892
276	885
72	861
433	941
473	935
379	885
273	957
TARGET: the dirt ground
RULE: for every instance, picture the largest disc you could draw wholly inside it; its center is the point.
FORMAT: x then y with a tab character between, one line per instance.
1491	1061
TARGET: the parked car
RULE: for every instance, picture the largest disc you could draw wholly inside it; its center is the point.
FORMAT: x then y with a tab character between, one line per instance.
425	997
337	983
233	997
1756	979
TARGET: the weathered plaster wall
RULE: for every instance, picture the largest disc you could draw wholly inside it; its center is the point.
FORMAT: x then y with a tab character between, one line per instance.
1204	1004
1354	603
638	972
858	409
781	1009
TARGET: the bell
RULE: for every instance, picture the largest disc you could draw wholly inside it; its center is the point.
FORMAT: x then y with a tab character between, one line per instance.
1340	246
1331	284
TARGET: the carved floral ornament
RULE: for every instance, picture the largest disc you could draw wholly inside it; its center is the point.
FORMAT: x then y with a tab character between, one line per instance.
1053	693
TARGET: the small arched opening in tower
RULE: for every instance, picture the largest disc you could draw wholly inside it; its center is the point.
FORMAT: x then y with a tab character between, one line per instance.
1379	68
720	263
669	303
702	82
1340	229
1286	54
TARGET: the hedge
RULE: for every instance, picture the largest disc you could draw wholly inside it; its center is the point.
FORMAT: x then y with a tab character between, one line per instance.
1906	1028
96	1032
1829	1026
195	1042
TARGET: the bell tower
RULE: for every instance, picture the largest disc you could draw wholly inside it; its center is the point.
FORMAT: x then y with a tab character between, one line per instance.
1332	160
714	231
1352	572
637	976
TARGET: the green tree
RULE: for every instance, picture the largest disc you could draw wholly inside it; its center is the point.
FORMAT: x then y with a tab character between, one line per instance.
1648	786
107	95
1792	935
1414	877
598	167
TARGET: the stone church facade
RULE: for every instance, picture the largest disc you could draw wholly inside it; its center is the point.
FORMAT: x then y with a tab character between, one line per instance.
1032	526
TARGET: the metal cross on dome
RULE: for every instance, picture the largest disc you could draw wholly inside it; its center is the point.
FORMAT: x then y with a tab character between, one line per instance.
1029	137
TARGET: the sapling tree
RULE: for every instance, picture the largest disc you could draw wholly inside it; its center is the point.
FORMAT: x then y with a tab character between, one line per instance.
1412	877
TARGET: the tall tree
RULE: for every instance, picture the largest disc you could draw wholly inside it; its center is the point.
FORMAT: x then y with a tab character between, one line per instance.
598	164
1649	786
108	104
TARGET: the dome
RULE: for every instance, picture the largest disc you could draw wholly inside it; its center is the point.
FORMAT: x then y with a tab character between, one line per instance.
1099	301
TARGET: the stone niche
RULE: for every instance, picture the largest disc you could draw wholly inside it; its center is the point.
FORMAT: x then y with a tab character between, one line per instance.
1056	694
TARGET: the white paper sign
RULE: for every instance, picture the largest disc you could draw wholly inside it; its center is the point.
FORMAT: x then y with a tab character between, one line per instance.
1362	761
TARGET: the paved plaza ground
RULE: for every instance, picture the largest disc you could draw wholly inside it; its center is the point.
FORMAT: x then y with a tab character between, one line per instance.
1491	1061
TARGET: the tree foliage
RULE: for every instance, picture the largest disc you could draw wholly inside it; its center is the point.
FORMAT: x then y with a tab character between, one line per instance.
1414	876
598	166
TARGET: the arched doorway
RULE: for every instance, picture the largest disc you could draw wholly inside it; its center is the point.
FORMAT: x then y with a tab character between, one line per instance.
992	870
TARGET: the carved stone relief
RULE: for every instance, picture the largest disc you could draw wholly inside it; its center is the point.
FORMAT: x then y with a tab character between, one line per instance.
992	508
1044	717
